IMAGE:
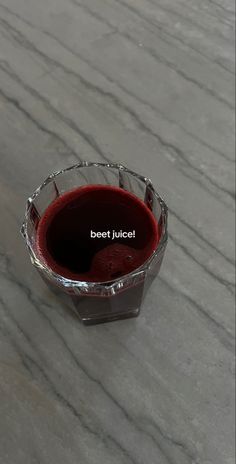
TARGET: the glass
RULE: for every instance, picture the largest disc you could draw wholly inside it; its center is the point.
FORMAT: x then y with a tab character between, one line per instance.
106	301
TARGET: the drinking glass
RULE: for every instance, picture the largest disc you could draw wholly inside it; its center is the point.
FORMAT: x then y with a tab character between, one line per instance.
96	302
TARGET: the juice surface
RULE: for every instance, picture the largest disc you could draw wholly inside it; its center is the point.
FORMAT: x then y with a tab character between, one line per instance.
64	239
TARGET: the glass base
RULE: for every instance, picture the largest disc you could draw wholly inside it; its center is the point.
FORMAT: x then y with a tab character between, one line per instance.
92	310
97	309
108	318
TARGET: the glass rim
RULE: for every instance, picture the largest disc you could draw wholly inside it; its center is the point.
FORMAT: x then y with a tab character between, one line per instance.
111	284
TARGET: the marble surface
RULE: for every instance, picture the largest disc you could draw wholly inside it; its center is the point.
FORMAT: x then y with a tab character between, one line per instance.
149	83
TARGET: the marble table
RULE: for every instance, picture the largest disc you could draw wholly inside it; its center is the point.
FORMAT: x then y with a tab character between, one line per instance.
149	83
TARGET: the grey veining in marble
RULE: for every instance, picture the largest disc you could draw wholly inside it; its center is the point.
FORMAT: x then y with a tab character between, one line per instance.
149	83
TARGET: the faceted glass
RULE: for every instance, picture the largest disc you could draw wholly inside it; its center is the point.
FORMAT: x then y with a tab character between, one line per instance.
99	301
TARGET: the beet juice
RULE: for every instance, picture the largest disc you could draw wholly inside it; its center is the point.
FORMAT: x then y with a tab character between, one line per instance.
96	233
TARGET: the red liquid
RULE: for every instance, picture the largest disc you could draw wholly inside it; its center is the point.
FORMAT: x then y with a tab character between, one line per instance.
64	233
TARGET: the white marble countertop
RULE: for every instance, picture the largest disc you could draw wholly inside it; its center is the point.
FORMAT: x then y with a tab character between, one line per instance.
148	83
